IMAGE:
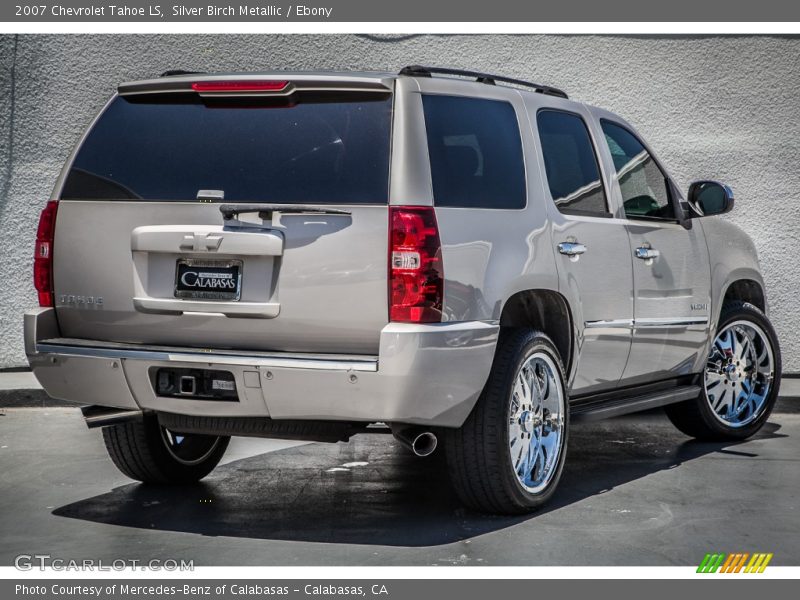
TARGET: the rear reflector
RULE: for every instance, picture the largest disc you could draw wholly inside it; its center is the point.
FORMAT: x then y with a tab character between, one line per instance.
239	86
43	256
416	274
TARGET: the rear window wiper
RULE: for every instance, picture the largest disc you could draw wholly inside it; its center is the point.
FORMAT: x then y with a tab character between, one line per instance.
229	211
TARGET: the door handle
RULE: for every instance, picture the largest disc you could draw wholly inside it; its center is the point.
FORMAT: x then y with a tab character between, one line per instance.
571	249
647	253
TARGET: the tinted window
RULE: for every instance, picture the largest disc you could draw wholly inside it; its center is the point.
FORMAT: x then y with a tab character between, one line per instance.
475	151
643	184
570	164
310	152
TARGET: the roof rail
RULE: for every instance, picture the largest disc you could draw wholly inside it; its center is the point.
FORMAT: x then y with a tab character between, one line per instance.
175	72
424	71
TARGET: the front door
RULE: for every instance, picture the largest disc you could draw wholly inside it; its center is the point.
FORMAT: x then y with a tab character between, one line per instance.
671	275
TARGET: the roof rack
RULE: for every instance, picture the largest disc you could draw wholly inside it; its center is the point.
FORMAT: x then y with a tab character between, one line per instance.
488	79
176	72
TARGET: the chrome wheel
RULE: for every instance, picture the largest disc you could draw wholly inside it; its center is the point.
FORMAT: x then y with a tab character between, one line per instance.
189	449
536	422
739	373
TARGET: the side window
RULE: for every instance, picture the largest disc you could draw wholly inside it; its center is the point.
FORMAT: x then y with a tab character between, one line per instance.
475	150
645	192
570	164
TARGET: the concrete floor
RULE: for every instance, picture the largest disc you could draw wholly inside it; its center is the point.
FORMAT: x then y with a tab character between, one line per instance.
635	492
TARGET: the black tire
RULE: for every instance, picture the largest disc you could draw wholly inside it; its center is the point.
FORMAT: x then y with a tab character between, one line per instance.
478	458
696	418
140	449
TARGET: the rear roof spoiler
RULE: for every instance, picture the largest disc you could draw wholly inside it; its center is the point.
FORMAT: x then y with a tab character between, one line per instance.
177	81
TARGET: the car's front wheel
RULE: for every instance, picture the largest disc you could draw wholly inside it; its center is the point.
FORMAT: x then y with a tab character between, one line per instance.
146	451
740	382
508	456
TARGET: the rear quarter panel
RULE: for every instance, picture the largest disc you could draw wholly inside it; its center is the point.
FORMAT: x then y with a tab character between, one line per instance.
488	254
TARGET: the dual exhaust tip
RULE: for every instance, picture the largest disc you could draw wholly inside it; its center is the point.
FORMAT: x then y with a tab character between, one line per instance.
420	441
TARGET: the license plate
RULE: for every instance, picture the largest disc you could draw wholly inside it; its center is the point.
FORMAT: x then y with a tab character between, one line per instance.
208	279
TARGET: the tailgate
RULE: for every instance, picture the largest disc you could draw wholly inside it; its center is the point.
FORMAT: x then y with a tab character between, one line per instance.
295	261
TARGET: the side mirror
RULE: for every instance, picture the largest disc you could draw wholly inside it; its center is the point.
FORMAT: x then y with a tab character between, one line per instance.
708	198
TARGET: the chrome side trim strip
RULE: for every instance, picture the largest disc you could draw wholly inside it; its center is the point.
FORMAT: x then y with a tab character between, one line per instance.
611	323
646	323
367	364
671	322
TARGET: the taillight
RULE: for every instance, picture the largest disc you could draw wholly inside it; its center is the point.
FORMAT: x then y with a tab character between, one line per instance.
43	258
416	275
240	86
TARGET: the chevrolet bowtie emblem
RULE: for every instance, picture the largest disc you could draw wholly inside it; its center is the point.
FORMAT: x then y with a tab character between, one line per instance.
199	242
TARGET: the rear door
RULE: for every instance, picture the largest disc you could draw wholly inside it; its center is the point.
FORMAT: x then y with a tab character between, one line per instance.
593	262
671	272
296	261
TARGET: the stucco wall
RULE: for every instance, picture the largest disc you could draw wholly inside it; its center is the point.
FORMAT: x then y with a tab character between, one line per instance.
727	108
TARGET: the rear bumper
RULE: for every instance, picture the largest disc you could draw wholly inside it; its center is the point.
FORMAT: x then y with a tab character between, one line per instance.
423	374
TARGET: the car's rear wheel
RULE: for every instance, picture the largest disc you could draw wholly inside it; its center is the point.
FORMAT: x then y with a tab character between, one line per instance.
740	382
508	456
146	451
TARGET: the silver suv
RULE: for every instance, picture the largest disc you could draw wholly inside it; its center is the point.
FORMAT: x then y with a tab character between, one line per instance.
455	257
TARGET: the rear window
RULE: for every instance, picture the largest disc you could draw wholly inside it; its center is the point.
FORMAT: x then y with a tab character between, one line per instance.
475	151
324	152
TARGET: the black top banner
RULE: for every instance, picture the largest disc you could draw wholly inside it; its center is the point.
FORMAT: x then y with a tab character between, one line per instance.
399	11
